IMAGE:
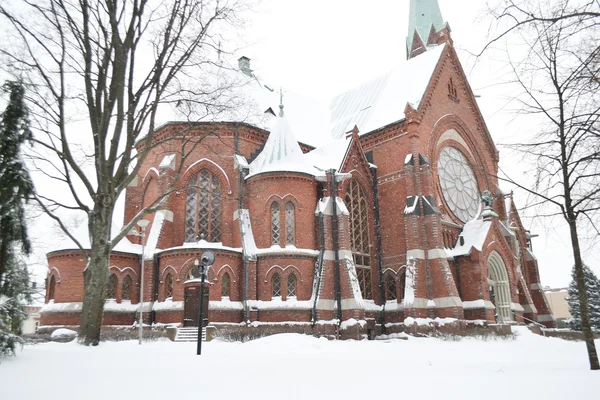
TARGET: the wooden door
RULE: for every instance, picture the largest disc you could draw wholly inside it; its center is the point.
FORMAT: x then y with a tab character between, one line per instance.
191	306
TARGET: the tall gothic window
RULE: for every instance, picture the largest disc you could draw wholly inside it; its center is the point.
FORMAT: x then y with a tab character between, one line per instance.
111	287
357	205
225	285
203	208
291	286
276	285
127	284
290	225
51	288
390	287
169	286
275	224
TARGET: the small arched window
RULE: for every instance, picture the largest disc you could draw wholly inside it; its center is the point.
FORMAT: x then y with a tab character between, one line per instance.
276	285
169	286
291	286
275	224
203	208
111	287
290	224
51	288
225	285
390	287
127	284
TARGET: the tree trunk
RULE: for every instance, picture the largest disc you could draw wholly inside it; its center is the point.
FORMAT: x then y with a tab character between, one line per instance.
96	274
588	335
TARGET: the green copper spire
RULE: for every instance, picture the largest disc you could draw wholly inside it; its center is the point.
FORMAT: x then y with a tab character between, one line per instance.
423	14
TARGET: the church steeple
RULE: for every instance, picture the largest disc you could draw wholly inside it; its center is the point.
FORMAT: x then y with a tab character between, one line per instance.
425	27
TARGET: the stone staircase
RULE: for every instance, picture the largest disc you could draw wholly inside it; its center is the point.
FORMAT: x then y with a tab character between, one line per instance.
189	334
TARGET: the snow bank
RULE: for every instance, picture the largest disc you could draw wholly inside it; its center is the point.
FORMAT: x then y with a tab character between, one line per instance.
536	367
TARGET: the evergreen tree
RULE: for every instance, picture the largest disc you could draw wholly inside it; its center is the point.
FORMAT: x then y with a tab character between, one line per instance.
15	188
592	284
14	294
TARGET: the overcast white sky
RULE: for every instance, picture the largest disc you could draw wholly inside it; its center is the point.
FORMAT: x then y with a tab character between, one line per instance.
320	48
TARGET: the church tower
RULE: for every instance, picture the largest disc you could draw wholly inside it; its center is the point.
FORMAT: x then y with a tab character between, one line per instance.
426	27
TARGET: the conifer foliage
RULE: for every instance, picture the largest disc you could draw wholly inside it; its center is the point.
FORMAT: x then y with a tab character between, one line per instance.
15	188
592	284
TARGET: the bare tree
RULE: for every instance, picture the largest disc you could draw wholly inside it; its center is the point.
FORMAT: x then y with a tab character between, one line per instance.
558	79
99	74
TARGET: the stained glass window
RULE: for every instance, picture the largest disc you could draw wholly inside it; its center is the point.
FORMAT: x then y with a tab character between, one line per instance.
225	285
291	285
357	205
290	234
111	287
276	285
51	287
169	286
458	184
203	208
390	287
127	284
275	224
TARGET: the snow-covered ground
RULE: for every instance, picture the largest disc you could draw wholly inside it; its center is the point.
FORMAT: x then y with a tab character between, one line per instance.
293	366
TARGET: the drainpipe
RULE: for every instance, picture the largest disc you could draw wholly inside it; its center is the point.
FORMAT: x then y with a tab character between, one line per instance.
155	291
336	247
319	267
236	145
379	249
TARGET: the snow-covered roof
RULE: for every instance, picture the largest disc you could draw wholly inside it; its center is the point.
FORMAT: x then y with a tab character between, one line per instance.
329	156
381	101
282	152
82	235
472	236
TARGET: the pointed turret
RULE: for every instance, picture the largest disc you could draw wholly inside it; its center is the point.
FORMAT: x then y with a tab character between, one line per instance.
426	27
282	152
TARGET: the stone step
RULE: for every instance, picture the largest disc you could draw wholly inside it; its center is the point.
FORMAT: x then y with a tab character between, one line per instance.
189	334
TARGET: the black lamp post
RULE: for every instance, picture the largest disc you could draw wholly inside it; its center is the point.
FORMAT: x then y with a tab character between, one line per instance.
206	260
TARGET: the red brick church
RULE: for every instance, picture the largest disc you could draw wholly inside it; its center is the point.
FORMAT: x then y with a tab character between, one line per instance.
399	216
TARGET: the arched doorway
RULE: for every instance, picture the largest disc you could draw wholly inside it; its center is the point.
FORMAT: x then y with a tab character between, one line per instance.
499	286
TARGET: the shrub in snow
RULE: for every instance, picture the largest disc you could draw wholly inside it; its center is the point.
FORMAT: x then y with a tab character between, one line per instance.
63	335
592	284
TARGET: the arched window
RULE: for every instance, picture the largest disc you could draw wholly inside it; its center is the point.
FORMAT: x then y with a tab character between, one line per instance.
169	286
276	285
225	285
390	287
203	208
275	224
290	224
51	288
291	286
357	205
127	284
111	287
